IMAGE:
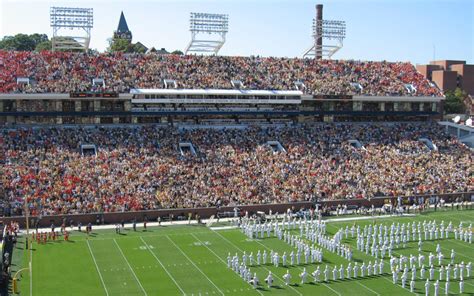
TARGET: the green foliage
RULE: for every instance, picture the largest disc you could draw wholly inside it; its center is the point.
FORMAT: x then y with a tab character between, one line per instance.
178	52
22	42
45	45
124	45
120	45
39	38
38	42
454	102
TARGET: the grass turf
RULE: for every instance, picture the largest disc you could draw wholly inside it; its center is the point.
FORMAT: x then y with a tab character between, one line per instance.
191	260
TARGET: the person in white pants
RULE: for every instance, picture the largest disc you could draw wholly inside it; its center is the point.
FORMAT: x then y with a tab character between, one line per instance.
287	277
255	281
303	276
341	272
436	288
269	279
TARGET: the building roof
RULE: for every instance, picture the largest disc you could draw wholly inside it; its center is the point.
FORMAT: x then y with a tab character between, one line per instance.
158	51
139	44
122	26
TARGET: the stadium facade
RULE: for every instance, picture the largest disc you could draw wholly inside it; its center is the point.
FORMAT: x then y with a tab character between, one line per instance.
142	106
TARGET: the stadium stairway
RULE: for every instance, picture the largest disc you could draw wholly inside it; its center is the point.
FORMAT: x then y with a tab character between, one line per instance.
432	146
185	147
276	146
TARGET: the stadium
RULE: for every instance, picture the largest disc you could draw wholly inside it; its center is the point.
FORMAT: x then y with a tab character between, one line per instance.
137	171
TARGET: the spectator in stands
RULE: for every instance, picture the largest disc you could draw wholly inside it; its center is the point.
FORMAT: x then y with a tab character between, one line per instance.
62	72
142	168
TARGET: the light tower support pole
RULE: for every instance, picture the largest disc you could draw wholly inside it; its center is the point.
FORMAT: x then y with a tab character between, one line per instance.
328	36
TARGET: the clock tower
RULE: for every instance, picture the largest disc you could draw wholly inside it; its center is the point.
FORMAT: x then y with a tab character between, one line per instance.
122	30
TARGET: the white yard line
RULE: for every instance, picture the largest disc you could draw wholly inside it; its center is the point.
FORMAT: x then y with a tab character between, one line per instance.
466	283
131	269
222	260
368	288
235	246
166	270
192	262
97	267
337	293
458	242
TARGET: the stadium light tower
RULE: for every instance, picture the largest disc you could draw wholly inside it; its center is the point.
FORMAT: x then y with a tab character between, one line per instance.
329	31
208	32
80	20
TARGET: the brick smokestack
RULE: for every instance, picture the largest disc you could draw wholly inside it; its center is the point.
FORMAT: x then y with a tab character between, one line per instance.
319	38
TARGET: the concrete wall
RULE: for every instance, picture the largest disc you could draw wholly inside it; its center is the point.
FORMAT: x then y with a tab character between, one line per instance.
111	218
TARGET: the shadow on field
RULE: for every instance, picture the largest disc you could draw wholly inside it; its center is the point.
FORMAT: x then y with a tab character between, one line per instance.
277	287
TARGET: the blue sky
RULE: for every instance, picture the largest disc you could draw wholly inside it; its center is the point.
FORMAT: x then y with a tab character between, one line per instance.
402	30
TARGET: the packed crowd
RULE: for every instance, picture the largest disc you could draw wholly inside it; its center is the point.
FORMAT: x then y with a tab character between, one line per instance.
60	72
143	168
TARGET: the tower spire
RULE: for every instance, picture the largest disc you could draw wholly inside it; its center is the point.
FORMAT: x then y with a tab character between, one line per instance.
123	32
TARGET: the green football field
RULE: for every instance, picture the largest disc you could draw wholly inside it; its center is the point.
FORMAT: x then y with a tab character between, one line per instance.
192	260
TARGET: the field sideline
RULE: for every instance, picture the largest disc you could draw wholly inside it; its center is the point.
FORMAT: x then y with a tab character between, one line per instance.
192	260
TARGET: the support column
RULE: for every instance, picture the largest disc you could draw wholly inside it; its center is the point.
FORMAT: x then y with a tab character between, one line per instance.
59	108
382	106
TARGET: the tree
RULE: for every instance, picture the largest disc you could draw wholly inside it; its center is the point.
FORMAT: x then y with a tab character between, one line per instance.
8	43
454	102
124	45
45	45
22	42
120	45
178	52
39	38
